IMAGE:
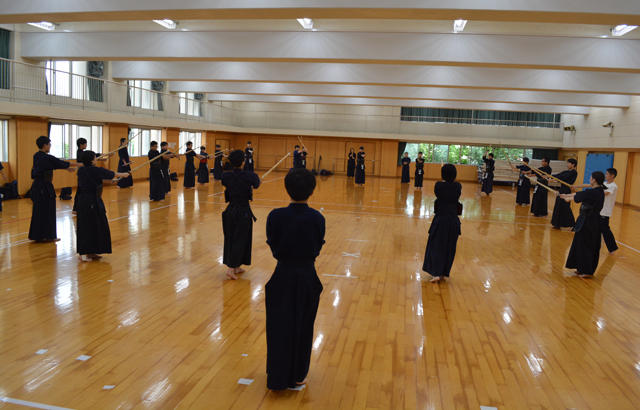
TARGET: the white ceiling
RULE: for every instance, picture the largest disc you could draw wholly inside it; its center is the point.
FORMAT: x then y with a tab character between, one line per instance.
513	54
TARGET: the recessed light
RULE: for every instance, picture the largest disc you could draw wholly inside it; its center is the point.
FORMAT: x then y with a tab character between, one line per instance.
306	23
167	23
622	29
45	25
67	31
604	36
458	25
184	29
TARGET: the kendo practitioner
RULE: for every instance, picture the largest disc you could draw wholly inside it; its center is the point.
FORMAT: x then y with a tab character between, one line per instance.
203	168
157	187
124	165
585	248
237	219
303	158
92	227
295	235
562	216
4	178
445	227
217	163
299	157
43	195
360	177
539	201
81	144
248	157
406	161
351	163
419	174
523	195
610	193
487	176
165	162
189	166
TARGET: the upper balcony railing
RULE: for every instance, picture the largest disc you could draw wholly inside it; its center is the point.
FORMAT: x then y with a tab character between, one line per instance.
34	84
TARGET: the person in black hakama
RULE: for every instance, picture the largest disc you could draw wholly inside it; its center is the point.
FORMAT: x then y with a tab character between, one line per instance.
203	168
487	176
303	158
539	206
562	216
523	194
406	161
585	248
81	143
92	227
124	165
445	226
189	166
217	163
157	188
419	174
360	176
295	235
4	178
43	195
165	162
237	219
351	163
248	157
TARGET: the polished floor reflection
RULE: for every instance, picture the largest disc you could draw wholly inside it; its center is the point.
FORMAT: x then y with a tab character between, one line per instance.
163	329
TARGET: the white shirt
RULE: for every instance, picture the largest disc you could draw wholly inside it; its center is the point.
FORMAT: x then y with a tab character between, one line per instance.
609	199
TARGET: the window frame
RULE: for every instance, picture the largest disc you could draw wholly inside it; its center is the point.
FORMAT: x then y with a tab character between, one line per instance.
186	136
64	145
139	146
4	140
77	86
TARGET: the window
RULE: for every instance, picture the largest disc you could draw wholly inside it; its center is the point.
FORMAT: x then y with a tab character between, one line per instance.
66	79
64	137
463	154
190	103
4	140
141	95
186	136
140	140
481	117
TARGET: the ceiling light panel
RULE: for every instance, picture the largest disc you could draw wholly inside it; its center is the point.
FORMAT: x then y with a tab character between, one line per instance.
622	29
45	25
306	23
167	23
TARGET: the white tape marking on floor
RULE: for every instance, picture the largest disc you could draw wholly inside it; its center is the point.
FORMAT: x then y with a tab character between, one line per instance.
627	246
31	404
340	276
246	382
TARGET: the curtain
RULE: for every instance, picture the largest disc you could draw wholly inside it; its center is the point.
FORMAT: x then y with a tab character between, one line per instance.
129	94
158	86
5	66
199	97
401	147
95	69
480	117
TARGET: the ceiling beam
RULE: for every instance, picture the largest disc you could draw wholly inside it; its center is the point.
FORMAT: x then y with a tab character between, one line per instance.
406	93
474	50
551	11
382	74
399	103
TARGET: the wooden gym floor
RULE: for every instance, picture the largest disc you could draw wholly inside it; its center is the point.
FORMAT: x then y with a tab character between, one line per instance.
164	329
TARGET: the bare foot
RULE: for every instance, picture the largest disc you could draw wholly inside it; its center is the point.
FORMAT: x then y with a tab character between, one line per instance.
435	279
239	270
85	258
95	257
585	276
613	252
302	383
231	275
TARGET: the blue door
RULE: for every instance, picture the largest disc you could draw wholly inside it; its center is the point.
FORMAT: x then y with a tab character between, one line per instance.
597	162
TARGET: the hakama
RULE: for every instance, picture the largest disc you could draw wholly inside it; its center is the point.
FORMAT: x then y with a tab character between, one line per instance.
157	187
562	216
584	254
217	165
164	166
92	227
248	159
406	178
203	170
351	165
419	174
189	170
539	205
523	194
487	176
123	158
360	176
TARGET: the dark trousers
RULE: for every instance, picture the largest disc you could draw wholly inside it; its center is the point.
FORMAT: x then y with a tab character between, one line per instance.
607	235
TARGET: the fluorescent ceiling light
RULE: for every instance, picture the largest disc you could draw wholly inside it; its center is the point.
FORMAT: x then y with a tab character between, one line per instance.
458	25
622	29
167	23
306	23
45	25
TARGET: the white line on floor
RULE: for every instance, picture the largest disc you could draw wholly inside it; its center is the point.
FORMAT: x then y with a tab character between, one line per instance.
627	246
340	276
31	404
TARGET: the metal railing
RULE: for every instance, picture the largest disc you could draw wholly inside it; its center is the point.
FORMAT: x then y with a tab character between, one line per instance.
35	84
480	121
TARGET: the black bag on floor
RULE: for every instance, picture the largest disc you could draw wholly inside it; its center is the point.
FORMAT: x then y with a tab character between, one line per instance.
325	172
10	190
173	176
65	194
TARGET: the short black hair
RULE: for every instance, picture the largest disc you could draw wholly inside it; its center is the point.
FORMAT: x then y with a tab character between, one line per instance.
87	157
236	158
613	172
248	142
546	159
152	143
598	176
419	152
525	159
202	148
217	145
81	141
362	148
122	140
573	161
300	184
491	154
189	143
297	146
41	141
164	143
449	172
